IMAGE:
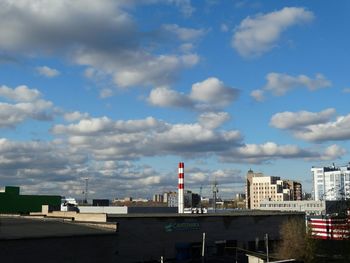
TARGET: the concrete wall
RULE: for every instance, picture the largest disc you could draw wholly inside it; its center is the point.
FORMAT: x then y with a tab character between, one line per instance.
104	209
159	236
82	217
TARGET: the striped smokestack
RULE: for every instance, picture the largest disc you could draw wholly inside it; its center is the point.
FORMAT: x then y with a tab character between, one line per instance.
181	188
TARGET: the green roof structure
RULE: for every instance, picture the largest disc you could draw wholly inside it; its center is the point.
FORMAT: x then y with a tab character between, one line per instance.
11	202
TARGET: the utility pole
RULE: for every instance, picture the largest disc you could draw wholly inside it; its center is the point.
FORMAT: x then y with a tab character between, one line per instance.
267	247
203	248
215	191
86	190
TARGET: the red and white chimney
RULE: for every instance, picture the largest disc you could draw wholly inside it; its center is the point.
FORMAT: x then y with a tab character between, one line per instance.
181	188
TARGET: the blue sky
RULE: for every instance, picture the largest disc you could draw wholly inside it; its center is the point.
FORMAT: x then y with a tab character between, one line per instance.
121	91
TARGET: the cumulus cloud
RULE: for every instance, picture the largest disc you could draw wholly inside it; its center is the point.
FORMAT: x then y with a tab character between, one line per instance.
259	153
48	167
122	140
301	119
28	105
75	116
213	120
183	33
47	71
278	84
117	48
209	94
314	126
258	95
165	97
337	130
20	93
31	162
214	92
257	35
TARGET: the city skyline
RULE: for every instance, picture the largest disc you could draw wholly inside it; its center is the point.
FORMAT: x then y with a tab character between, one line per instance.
122	91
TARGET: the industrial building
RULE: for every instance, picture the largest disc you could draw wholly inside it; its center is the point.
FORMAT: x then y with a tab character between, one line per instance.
12	202
331	183
70	236
310	207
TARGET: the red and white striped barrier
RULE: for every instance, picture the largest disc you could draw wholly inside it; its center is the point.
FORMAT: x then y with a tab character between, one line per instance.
329	228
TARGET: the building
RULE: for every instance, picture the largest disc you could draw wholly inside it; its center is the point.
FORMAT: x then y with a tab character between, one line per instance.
296	191
192	199
158	198
270	188
267	188
250	176
331	183
172	199
12	202
309	207
58	237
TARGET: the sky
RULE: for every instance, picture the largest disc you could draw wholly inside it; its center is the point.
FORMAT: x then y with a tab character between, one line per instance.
121	91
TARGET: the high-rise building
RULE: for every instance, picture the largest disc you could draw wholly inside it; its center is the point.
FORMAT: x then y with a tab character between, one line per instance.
158	198
296	192
270	188
331	183
172	199
250	176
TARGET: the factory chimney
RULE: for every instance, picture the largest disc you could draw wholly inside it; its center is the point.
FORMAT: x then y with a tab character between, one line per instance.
181	189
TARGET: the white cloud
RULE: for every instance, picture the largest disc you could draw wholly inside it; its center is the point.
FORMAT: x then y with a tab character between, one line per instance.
259	153
328	131
296	120
183	33
123	140
101	35
314	126
279	84
28	105
259	34
209	94
165	97
213	92
258	95
20	93
75	116
48	72
333	152
213	120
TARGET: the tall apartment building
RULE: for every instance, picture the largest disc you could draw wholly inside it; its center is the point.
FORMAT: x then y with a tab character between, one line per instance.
269	188
296	190
331	183
249	181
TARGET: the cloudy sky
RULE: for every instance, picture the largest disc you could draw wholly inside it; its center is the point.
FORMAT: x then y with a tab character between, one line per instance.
120	91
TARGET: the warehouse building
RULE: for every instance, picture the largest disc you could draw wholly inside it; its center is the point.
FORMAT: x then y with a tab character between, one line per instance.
12	202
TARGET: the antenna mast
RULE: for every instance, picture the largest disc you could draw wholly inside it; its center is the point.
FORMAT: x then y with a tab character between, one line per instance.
86	190
215	191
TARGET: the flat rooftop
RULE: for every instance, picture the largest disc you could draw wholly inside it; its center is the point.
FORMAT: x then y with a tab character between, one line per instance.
17	227
236	213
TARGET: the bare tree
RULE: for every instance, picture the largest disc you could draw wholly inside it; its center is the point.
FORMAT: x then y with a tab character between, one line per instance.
296	243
